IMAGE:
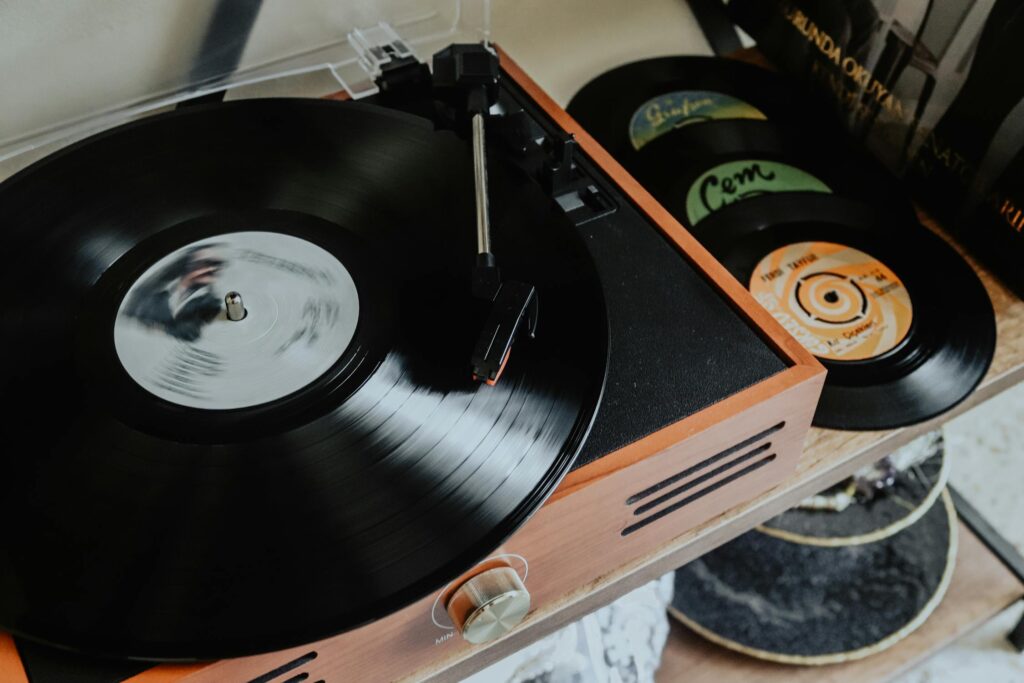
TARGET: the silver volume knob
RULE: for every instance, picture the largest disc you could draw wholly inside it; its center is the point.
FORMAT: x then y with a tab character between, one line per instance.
489	605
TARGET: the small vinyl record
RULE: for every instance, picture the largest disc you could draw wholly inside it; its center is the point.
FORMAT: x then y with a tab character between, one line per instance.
902	323
799	604
629	106
242	412
699	132
696	170
838	517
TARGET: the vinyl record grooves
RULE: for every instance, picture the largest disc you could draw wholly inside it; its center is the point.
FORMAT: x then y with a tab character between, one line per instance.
156	518
903	324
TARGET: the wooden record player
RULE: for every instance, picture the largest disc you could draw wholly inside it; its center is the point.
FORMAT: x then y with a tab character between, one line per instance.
706	406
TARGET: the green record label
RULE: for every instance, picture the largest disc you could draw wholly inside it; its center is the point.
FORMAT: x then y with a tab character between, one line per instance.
660	114
735	181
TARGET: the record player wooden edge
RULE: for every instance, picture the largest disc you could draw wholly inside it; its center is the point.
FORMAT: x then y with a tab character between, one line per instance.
10	662
806	384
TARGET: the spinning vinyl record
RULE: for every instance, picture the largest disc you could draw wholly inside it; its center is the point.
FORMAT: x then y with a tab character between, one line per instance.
240	407
900	320
630	106
800	604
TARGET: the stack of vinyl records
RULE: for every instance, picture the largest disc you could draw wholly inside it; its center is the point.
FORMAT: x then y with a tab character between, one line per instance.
847	574
820	233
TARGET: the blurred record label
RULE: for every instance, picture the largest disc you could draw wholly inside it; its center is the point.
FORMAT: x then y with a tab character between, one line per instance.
735	181
174	338
840	303
660	114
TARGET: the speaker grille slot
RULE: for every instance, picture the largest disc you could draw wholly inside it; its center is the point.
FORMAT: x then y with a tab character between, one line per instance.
699	494
717	457
694	483
285	668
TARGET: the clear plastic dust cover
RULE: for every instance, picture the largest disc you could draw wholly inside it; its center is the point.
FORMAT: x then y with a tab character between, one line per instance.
76	66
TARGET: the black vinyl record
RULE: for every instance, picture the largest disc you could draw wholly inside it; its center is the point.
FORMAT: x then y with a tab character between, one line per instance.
696	170
902	323
181	485
627	107
800	604
680	123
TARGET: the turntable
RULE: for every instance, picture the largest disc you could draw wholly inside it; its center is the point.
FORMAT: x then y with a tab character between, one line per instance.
346	387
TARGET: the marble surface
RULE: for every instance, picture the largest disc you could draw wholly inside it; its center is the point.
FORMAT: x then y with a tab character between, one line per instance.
808	604
986	447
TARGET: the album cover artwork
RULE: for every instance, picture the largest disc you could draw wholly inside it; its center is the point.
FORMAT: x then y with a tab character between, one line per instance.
931	88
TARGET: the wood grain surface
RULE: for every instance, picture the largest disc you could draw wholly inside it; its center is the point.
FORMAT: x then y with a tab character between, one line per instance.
10	663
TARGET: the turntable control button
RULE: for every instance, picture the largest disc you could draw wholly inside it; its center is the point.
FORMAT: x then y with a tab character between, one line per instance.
489	605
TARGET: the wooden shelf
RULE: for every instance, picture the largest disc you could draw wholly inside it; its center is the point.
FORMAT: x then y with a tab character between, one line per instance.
981	588
829	456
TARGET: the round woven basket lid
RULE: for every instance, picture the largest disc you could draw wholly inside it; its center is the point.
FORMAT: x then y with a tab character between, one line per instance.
915	490
802	604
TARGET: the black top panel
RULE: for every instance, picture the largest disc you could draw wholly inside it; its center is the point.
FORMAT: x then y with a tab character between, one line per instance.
676	344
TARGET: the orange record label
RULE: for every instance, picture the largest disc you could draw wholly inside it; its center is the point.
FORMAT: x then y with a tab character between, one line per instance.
839	302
